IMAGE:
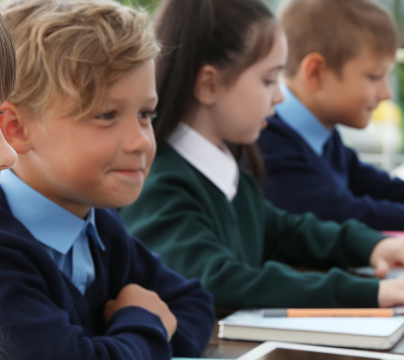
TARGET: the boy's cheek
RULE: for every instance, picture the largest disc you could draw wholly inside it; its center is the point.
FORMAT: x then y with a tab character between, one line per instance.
150	158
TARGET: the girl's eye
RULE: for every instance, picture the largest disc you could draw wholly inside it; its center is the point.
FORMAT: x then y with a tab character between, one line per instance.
107	116
269	82
148	115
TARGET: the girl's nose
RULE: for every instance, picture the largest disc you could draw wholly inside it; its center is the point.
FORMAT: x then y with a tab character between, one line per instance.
278	96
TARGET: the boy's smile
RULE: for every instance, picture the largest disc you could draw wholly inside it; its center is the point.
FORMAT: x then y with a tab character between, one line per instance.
99	161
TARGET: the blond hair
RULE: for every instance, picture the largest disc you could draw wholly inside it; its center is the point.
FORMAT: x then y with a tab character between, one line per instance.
7	62
74	49
337	29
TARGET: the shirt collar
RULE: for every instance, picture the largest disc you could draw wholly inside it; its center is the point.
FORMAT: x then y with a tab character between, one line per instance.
48	222
218	165
302	120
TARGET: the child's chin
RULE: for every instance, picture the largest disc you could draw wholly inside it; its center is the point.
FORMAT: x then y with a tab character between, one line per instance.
362	124
118	202
251	139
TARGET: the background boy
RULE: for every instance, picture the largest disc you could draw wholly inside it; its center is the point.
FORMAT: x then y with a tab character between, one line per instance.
75	285
340	54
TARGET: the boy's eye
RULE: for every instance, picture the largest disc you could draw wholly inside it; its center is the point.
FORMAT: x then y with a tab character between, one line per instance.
148	115
374	77
107	116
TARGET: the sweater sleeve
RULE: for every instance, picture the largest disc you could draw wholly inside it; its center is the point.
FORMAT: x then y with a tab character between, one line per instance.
304	240
191	305
367	180
38	324
170	219
298	185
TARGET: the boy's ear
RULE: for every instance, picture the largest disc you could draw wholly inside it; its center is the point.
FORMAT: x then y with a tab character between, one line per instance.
207	85
312	69
12	125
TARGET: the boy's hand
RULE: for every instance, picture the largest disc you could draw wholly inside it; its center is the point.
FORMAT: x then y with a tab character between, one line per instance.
386	254
135	295
391	292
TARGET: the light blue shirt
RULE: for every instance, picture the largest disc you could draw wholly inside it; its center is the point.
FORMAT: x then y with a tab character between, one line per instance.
63	235
302	120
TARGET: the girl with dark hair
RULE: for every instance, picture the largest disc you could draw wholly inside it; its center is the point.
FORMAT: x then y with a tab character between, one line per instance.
217	81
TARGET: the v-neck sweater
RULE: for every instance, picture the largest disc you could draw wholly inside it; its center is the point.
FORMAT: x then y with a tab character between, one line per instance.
336	186
45	317
240	250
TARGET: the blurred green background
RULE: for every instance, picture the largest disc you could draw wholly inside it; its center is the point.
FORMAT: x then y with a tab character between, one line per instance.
395	6
376	143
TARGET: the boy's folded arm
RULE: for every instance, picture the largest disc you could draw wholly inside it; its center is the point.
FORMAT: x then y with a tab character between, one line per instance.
39	328
191	305
306	241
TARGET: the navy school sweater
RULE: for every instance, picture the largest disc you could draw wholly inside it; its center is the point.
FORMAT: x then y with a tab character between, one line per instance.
335	186
43	315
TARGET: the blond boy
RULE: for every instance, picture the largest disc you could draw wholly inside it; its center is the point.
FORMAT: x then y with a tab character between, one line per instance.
75	285
341	52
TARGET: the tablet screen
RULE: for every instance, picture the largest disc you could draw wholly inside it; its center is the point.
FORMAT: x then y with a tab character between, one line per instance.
289	354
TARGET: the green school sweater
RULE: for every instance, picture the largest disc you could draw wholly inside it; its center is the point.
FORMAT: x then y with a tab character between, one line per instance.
240	249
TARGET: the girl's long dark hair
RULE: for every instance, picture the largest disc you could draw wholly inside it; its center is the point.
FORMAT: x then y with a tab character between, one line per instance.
228	34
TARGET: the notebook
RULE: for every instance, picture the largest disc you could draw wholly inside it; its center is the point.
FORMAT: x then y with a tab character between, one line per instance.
289	351
353	332
369	271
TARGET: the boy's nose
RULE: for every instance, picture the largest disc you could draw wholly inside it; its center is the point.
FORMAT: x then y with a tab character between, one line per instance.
139	140
385	92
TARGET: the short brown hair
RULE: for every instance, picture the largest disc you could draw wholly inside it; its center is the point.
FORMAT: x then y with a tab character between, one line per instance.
74	49
336	29
7	62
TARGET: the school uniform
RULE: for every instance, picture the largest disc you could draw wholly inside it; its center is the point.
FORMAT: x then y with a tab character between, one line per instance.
208	220
52	295
308	168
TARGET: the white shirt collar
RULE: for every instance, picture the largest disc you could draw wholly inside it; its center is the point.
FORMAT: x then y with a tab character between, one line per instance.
297	116
219	166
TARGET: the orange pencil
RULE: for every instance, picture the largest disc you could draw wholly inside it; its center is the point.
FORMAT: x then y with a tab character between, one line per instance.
332	312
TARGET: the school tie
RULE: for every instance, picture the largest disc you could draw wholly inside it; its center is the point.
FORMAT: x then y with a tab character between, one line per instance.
328	148
83	270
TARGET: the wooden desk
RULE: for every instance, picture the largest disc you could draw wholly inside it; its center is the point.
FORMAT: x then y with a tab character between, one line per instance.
231	349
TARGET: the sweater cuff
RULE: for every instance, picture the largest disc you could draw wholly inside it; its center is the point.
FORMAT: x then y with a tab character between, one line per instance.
365	241
136	319
362	292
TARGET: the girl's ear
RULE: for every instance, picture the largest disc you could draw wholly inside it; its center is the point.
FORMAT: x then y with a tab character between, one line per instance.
207	85
12	125
312	69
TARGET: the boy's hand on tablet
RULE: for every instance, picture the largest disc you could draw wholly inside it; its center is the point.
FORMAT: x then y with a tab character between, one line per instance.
135	295
386	254
391	292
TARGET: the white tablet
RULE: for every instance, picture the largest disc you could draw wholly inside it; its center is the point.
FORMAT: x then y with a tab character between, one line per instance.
288	351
